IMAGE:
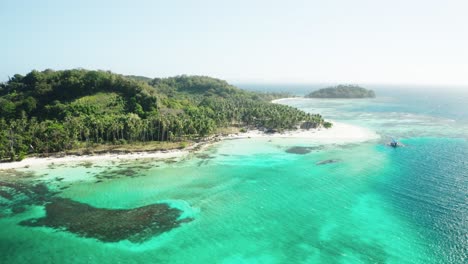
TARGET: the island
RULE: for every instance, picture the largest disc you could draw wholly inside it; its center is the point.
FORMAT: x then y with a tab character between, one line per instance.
82	111
342	91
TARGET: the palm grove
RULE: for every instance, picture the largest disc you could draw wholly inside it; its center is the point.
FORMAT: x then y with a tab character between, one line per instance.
53	111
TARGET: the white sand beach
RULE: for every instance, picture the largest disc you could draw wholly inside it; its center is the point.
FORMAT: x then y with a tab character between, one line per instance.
40	161
340	133
278	101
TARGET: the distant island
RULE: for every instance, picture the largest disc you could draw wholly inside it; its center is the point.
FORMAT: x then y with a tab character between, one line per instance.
342	91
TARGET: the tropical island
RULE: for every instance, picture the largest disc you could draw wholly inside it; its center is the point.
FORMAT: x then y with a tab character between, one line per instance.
83	111
342	91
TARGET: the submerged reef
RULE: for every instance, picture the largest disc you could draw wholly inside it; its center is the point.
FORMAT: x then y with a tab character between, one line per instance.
109	225
14	196
329	161
122	170
299	150
105	224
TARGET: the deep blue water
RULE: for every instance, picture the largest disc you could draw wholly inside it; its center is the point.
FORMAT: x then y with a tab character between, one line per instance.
429	186
427	181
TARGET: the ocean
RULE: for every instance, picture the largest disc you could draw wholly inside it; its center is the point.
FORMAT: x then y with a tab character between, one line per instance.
256	201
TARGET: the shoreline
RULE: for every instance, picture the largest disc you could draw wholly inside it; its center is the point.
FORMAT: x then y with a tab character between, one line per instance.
339	133
157	154
38	161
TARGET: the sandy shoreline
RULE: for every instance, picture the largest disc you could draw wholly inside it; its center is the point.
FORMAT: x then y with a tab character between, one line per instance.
340	133
35	161
278	101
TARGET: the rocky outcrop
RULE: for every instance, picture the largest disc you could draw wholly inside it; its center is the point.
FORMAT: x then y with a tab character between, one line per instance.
308	125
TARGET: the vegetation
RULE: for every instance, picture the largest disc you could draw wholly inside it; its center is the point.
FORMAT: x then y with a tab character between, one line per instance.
342	91
53	111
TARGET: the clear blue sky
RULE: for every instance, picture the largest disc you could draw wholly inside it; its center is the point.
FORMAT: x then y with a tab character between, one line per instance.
352	41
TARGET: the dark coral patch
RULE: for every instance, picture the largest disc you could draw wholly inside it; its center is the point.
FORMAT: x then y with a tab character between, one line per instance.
299	150
170	161
86	164
323	162
109	225
15	174
204	156
123	170
6	194
128	172
118	173
16	195
38	192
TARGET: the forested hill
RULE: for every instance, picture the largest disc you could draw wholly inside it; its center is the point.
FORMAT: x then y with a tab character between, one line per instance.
342	91
52	111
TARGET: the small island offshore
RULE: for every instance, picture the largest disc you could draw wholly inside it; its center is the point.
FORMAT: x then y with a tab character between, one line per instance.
342	91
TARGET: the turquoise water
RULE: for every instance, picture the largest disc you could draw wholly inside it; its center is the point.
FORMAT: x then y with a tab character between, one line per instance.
252	202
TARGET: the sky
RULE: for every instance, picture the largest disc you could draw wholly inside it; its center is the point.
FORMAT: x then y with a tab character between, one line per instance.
264	41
